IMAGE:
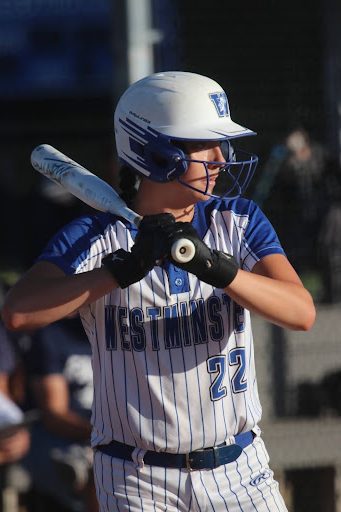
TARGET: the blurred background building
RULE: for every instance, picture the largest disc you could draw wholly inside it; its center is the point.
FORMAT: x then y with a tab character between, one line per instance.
63	65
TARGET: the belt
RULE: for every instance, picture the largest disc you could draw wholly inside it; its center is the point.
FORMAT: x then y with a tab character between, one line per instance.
207	458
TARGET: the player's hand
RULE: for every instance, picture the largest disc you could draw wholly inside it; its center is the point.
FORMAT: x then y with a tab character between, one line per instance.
151	242
213	267
14	446
150	246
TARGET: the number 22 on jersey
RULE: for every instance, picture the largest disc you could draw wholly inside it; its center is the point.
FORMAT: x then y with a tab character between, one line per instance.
218	364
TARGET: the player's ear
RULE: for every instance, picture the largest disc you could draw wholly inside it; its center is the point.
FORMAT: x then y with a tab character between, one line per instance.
165	158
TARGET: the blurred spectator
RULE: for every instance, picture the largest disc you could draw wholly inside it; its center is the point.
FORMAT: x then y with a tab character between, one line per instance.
7	359
329	251
300	192
329	240
14	436
14	439
15	443
297	199
60	459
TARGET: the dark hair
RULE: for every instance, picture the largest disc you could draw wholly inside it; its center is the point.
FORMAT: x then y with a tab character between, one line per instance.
128	180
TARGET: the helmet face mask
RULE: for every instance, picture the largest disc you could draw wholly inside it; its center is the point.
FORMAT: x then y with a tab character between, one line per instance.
158	114
235	173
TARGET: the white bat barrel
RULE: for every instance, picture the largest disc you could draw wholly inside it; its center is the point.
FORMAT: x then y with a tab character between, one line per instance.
93	191
80	182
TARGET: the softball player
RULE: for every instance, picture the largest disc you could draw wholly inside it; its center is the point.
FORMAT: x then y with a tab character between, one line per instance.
176	408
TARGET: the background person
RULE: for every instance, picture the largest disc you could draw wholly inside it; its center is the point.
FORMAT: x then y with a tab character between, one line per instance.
60	374
15	445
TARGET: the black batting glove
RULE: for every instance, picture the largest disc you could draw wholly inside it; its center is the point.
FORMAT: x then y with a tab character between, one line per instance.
125	267
210	266
151	242
150	246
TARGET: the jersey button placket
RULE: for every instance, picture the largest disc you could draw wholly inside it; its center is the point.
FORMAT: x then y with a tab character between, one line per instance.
178	280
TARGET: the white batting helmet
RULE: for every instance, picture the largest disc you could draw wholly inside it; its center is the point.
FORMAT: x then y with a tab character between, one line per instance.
161	109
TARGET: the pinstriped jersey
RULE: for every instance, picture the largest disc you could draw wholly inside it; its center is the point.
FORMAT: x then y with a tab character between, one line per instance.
173	357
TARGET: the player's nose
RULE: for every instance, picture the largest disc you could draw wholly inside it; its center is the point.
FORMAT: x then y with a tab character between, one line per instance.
216	156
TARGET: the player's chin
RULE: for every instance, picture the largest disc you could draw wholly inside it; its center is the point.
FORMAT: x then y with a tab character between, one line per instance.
207	189
202	195
201	190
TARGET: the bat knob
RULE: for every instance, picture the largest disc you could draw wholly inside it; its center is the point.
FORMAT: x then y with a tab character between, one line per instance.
183	250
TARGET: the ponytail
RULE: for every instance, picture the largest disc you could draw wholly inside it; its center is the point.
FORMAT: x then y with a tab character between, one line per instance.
129	182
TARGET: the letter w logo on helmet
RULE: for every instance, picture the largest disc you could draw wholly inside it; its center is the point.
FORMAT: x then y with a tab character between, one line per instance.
219	99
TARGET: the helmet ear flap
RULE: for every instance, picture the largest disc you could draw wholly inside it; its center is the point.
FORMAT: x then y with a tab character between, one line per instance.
165	161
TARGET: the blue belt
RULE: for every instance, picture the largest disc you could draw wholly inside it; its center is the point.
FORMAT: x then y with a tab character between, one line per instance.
207	458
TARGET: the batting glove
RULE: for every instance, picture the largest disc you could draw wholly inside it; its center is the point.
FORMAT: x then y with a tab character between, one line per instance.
152	239
210	266
150	246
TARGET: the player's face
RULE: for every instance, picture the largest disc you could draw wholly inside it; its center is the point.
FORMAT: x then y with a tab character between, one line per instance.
199	175
192	187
